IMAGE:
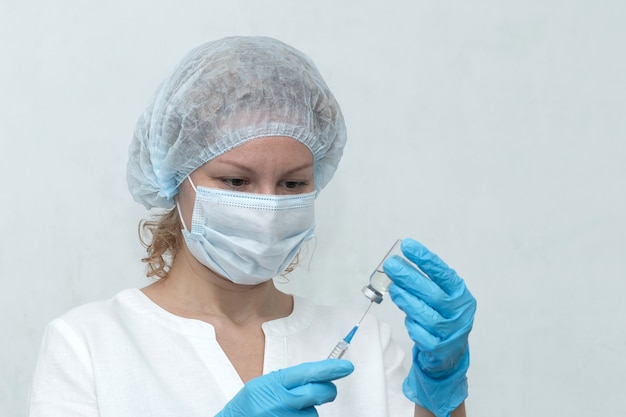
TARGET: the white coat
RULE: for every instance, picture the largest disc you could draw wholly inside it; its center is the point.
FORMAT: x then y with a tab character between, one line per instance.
127	357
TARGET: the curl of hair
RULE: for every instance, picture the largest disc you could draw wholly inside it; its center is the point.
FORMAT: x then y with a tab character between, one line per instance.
161	236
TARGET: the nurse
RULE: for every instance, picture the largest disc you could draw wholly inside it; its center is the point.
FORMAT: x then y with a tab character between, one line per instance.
234	147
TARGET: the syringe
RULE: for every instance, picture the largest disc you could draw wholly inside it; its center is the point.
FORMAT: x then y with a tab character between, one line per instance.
379	282
344	344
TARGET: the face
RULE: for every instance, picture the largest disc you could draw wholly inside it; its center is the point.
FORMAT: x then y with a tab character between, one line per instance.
272	165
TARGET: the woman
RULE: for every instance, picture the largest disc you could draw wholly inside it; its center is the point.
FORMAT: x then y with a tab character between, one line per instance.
235	145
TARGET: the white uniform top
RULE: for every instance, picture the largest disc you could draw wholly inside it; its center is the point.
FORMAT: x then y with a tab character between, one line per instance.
127	357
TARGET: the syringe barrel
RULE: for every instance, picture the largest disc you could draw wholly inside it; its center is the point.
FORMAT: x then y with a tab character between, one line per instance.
339	350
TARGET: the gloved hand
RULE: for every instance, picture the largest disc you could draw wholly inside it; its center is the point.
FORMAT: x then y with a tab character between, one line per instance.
439	316
288	392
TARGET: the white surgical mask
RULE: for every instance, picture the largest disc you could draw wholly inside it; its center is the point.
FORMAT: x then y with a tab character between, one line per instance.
248	238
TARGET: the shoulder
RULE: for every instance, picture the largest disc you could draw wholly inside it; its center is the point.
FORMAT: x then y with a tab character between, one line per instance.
71	336
97	314
105	307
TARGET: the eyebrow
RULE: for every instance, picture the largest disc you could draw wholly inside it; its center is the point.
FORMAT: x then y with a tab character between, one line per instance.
247	169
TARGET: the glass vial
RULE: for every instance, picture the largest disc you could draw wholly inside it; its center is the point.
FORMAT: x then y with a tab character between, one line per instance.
379	281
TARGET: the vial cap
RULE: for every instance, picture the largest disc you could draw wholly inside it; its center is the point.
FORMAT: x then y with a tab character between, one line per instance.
371	294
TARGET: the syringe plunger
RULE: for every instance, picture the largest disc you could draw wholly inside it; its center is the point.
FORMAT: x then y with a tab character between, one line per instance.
339	350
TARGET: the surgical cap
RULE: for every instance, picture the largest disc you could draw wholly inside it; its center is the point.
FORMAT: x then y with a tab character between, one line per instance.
223	94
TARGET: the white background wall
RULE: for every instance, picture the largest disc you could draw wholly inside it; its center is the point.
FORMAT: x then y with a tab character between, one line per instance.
493	131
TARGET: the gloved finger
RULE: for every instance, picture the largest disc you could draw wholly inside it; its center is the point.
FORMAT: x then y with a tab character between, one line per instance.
308	412
321	371
436	269
407	276
308	395
428	341
414	307
423	316
441	320
422	338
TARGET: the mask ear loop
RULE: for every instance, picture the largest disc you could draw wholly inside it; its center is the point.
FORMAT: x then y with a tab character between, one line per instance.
180	214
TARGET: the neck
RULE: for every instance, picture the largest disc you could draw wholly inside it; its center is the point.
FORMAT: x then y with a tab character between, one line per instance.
191	290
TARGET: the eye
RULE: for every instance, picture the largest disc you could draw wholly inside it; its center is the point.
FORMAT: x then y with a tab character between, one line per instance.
294	185
235	182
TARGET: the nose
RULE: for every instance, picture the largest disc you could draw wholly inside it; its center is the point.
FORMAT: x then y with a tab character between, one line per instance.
267	188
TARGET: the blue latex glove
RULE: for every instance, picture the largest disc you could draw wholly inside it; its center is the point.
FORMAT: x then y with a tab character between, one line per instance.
439	316
289	392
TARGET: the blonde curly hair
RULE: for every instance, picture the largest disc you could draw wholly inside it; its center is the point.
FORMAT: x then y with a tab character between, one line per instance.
162	238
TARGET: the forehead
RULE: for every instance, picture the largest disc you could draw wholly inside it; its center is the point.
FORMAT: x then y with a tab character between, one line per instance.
269	150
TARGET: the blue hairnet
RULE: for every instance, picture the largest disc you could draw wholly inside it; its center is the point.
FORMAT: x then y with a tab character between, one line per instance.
222	94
